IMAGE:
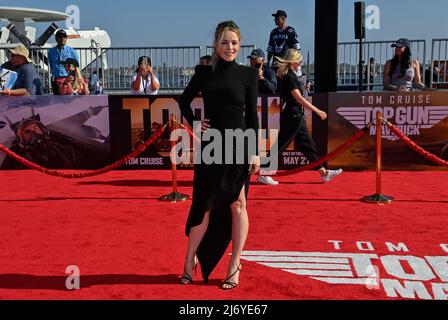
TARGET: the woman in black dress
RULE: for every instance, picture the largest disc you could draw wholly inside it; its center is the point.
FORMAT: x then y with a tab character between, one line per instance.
218	213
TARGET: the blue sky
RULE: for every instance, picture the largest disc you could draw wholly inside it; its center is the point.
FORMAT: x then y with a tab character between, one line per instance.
182	22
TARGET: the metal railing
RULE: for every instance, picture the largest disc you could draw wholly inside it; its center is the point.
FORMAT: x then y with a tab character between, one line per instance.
439	64
174	66
380	51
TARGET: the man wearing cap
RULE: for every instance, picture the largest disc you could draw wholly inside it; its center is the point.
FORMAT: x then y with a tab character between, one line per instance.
57	56
267	80
281	38
28	82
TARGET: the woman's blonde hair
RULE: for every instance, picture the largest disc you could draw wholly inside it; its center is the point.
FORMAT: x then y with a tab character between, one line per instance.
78	75
220	29
284	64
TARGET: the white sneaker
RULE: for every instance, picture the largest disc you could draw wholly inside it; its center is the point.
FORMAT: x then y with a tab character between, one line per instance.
331	174
267	180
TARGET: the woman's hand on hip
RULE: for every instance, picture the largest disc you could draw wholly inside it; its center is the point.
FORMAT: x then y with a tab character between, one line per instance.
205	125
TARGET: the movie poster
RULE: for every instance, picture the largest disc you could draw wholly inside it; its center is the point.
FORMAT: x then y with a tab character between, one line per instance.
422	116
133	119
55	132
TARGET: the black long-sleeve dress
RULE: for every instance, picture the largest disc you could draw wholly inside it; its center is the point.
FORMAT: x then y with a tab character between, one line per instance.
230	102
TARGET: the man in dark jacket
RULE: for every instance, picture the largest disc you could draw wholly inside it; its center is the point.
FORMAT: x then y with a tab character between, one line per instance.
281	38
267	80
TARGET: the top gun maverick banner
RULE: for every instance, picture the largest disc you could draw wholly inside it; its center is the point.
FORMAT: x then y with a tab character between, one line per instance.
104	129
422	116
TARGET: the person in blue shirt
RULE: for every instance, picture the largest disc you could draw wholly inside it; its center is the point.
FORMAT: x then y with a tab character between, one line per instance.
57	56
28	82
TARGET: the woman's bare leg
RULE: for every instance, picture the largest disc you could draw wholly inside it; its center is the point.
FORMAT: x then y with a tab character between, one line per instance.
194	240
240	229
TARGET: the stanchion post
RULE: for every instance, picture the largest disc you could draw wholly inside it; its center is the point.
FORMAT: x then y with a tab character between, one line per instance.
378	198
379	150
175	196
173	146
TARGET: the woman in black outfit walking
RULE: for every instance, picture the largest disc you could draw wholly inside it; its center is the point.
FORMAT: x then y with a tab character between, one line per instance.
292	118
218	213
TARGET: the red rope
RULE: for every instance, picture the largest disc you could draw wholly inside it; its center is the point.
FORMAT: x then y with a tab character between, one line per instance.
57	173
428	155
155	136
358	135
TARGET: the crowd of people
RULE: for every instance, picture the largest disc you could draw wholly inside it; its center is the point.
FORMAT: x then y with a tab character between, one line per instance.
63	60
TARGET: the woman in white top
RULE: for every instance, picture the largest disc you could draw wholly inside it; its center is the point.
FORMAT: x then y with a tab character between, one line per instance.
144	81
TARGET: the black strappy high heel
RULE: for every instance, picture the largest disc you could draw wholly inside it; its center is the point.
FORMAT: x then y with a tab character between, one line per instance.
186	276
230	283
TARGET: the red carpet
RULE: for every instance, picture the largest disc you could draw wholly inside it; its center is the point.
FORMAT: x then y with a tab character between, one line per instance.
128	245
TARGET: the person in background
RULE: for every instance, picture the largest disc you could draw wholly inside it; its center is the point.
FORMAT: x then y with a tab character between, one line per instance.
281	38
292	118
144	81
74	83
205	60
28	82
96	82
402	72
371	73
267	80
56	56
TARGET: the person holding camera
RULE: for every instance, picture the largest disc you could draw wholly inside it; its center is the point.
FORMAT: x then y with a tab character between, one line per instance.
56	57
74	83
267	80
144	80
